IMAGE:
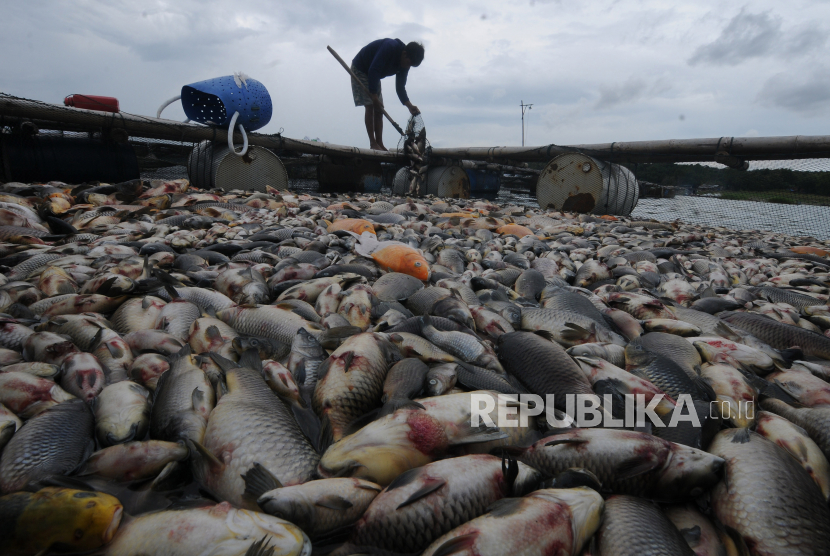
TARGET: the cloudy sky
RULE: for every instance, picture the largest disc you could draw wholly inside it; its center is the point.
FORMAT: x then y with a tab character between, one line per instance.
595	71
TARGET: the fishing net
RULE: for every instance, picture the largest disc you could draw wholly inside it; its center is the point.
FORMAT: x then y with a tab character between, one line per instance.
412	179
787	196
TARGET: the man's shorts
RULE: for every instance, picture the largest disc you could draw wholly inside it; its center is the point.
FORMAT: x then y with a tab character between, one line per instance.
361	97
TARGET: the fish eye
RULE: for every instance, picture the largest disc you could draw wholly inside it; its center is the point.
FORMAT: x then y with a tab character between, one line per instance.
417	264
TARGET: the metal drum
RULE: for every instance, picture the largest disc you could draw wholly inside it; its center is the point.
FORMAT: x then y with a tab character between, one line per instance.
442	181
574	182
213	166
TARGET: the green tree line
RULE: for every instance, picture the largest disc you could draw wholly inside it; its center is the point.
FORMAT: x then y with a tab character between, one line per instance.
694	175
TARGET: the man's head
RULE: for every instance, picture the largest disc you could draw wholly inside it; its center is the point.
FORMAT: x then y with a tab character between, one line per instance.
413	55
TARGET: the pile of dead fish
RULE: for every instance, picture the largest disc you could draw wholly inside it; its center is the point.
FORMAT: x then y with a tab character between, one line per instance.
190	372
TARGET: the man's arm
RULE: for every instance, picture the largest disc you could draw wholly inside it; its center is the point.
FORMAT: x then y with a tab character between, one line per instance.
400	87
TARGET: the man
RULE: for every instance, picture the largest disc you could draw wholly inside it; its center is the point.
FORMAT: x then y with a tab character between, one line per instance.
376	60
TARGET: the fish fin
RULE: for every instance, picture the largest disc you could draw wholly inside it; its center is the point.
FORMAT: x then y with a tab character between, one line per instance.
325	543
371	486
211	460
792	354
504	507
545	334
326	437
334	502
741	549
166	472
309	424
431	486
258	481
575	332
262	547
361	422
708	292
706	387
395	404
212	332
741	436
223	363
250	359
561	441
691	535
634	467
776	391
482	433
347	360
323	369
299	373
509	469
166	279
171	291
196	397
456	544
576	477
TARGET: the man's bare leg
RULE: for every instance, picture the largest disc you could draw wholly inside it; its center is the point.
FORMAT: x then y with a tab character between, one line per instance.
369	120
379	130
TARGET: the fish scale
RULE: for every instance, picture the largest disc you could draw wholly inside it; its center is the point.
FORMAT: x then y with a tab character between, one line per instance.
773	517
635	527
461	496
250	425
53	443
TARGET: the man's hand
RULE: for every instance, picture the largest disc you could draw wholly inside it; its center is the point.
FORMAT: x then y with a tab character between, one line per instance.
413	109
377	103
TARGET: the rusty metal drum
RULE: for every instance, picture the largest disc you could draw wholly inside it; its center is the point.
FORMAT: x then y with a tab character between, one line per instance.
574	182
450	182
213	166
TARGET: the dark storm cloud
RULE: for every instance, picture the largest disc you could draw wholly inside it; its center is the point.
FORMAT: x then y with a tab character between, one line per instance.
746	36
796	93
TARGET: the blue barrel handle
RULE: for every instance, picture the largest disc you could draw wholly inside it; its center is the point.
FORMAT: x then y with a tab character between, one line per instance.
244	137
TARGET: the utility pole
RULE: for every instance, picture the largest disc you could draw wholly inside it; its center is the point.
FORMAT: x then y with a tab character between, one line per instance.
524	107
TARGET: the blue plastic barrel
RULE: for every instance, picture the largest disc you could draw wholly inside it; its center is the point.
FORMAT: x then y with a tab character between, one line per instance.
483	181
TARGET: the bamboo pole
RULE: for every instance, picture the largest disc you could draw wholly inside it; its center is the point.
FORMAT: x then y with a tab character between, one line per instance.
158	128
671	150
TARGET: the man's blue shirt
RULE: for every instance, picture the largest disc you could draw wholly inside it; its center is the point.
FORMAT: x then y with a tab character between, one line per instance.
382	58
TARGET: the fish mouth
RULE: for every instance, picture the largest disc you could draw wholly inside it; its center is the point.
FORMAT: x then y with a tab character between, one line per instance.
109	533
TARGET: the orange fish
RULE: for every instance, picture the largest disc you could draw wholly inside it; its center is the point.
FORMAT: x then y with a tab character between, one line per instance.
459	214
403	259
515	229
356	225
609	217
393	256
807	250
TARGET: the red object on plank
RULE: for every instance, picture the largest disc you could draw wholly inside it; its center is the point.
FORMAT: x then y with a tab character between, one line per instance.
92	102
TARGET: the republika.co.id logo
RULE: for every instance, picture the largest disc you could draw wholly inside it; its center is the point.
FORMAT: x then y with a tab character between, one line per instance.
590	410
